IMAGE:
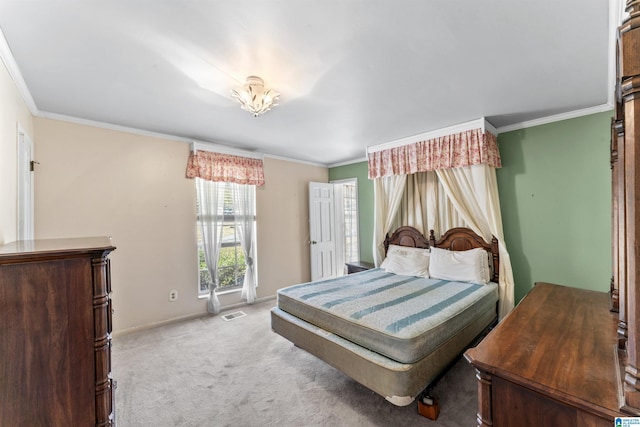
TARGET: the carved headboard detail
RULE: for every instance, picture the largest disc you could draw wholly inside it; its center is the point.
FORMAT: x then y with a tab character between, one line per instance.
406	236
455	239
463	239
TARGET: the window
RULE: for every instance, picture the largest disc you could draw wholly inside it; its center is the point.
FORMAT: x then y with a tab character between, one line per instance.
346	197
232	265
350	209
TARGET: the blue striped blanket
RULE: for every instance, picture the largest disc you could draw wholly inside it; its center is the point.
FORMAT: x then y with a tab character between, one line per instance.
400	317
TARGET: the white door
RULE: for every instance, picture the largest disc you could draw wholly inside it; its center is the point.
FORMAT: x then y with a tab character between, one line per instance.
25	186
322	231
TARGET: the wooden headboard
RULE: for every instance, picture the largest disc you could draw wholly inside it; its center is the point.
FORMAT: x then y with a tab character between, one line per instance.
406	236
455	239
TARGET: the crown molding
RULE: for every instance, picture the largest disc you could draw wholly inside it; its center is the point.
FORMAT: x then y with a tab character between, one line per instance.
516	126
556	118
348	162
289	159
206	145
224	149
110	126
616	16
14	72
480	123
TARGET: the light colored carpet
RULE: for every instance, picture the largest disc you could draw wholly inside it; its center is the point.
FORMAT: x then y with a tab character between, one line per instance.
210	372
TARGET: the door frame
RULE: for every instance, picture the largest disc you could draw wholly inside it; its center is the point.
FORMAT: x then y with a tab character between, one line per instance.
25	186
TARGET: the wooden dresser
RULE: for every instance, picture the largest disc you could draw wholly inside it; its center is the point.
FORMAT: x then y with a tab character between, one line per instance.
55	325
551	362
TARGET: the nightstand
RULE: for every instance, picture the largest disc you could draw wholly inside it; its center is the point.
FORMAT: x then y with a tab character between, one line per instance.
356	266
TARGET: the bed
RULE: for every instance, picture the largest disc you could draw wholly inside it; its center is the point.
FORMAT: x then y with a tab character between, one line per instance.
395	333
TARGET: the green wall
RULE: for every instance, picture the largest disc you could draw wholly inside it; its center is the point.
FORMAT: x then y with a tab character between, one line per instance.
555	198
365	203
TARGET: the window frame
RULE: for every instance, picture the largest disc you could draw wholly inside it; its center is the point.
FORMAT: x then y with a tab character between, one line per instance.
339	197
228	220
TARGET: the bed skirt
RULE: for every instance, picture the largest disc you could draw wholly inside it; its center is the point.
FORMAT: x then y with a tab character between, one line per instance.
399	383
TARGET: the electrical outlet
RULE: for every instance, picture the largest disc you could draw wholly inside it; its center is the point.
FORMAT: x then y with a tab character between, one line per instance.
173	295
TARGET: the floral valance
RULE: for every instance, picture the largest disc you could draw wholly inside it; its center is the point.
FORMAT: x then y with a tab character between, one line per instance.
225	168
471	147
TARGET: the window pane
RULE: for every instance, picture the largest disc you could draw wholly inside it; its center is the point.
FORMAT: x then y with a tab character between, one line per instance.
231	267
229	234
231	261
350	206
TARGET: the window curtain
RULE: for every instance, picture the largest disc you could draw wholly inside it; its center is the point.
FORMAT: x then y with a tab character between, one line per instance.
244	203
220	167
210	214
212	170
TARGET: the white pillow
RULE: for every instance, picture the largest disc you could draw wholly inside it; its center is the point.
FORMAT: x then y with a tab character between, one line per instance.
462	266
407	261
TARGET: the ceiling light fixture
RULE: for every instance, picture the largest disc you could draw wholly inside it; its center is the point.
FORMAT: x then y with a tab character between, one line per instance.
254	98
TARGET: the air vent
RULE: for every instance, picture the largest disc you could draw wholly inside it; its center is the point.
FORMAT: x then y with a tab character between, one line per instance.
234	315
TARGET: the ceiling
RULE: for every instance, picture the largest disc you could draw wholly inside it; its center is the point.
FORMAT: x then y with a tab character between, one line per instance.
351	73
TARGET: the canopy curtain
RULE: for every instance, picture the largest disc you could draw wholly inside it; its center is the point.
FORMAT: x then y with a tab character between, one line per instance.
418	200
387	193
410	212
470	147
244	203
210	220
460	189
473	190
425	206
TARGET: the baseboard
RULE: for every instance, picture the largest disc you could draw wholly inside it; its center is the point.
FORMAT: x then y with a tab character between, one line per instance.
186	317
244	304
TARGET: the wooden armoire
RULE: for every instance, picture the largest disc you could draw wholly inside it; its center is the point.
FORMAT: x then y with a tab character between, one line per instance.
55	333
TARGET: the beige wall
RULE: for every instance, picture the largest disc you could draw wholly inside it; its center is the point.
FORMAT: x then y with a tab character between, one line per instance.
94	181
13	111
283	224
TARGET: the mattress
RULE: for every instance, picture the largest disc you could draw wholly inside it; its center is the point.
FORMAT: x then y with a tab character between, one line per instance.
400	317
399	383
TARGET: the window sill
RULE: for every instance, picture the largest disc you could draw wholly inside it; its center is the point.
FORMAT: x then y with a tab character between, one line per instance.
228	291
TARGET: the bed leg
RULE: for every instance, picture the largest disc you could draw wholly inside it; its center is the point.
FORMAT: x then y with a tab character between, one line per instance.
429	407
